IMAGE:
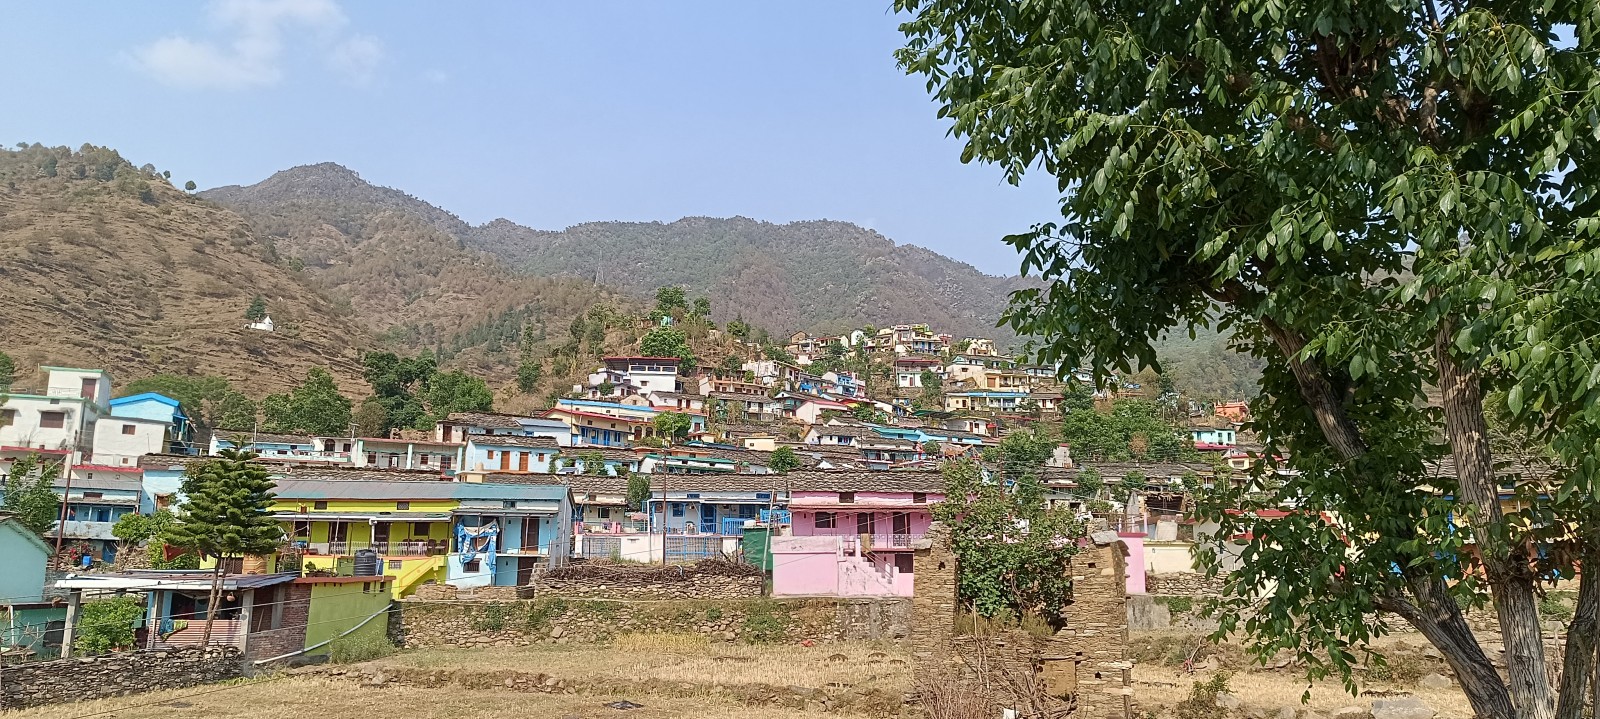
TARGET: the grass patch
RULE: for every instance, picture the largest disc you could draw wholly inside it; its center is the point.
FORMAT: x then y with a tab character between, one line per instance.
491	617
541	611
1177	605
1202	700
1553	606
661	642
974	624
766	623
359	647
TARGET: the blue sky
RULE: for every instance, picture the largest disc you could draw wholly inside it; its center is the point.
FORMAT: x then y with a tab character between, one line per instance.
546	113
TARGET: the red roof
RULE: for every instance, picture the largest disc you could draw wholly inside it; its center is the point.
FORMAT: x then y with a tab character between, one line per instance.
34	450
104	468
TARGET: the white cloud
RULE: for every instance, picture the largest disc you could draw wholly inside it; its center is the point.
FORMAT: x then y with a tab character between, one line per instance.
250	43
357	57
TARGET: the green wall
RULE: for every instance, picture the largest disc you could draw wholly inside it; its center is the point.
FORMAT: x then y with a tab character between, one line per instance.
338	607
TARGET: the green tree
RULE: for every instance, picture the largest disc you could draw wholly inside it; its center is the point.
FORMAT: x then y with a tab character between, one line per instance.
190	186
868	413
783	459
672	425
594	463
457	391
1131	428
257	310
605	388
638	490
777	354
1090	483
667	342
8	371
1013	553
739	328
1376	200
702	309
315	407
107	625
226	512
1076	396
672	301
528	374
30	494
235	410
732	365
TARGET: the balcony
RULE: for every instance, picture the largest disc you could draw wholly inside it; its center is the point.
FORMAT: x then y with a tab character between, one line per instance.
618	527
411	548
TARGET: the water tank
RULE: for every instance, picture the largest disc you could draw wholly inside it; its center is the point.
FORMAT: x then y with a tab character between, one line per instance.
367	563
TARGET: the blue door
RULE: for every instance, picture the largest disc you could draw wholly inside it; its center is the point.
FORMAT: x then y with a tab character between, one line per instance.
708	518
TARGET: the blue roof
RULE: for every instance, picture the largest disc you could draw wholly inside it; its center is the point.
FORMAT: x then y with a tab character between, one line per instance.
145	397
611	405
989	394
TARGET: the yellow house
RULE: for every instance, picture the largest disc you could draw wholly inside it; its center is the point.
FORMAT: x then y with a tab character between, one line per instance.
465	534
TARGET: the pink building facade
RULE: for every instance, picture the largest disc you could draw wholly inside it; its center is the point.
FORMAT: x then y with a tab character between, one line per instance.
853	532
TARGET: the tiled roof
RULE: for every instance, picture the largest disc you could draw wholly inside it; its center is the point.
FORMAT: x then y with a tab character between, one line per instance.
487	420
580	484
726	482
823	480
875	442
1113	471
732	397
513	440
298	489
609	453
363	474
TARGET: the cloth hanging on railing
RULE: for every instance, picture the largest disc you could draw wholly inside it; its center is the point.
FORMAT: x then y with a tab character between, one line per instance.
477	540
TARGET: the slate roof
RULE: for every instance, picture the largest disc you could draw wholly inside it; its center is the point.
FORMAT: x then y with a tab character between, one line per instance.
514	440
297	489
487	420
580	484
362	474
227	435
609	453
822	480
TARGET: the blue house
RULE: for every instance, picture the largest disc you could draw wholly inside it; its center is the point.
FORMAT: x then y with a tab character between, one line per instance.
94	503
34	625
1209	438
510	453
154	407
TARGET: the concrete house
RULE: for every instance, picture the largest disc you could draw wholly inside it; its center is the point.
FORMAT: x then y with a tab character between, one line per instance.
33	625
59	417
145	423
853	532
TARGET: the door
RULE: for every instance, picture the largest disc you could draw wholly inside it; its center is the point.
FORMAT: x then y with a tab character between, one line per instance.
530	535
708	518
380	537
525	567
902	523
505	461
865	523
522	461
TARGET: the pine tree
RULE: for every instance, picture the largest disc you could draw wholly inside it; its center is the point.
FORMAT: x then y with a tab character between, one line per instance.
257	310
226	512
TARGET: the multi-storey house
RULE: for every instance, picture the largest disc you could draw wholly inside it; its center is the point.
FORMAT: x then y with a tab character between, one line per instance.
644	374
61	416
335	451
853	532
422	455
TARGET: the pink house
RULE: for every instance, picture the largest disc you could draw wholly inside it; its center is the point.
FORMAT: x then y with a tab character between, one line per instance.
853	532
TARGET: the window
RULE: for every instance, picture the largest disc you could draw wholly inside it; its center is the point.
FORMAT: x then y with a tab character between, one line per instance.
302	529
346	447
421	529
7	417
491	454
394	564
446	461
847	498
508	504
605	513
402	505
824	520
919	497
86	389
129	429
902	562
693	495
473	567
866	523
422	459
763	496
372	458
320	504
92	495
677	509
52	420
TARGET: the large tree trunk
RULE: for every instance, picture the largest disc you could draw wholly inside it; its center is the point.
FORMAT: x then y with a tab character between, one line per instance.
1507	568
211	603
1436	616
1578	663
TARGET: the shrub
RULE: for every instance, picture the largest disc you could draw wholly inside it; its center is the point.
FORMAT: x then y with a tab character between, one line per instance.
542	611
492	618
1554	606
359	647
107	625
765	624
1202	700
713	614
1178	605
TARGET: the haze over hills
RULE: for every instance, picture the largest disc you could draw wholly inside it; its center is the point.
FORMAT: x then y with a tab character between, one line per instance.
818	276
404	268
106	265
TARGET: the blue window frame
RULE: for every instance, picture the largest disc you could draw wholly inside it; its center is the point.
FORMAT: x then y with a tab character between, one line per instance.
677	509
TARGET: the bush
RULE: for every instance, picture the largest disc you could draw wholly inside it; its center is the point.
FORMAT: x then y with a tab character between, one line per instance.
359	647
1202	700
107	625
542	611
1554	606
492	618
765	624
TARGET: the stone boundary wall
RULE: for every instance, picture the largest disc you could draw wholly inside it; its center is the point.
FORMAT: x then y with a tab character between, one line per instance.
590	621
114	675
703	580
1183	584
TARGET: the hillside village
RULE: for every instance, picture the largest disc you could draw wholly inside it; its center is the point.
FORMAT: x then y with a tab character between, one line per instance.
823	446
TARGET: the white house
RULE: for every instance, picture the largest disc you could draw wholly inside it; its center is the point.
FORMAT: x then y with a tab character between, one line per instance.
264	324
647	374
62	417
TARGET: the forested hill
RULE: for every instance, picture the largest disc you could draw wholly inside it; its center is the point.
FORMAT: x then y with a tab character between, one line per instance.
404	268
820	276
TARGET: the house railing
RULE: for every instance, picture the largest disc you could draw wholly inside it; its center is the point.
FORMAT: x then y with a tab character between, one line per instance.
628	526
408	548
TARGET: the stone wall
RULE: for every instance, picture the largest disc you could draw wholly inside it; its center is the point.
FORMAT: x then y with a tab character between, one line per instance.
291	636
1081	669
589	621
1183	584
112	675
704	580
449	593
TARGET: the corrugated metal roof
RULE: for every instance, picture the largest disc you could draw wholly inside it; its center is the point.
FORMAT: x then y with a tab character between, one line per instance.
378	489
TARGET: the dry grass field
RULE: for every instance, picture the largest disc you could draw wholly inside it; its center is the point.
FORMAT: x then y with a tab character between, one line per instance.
686	676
